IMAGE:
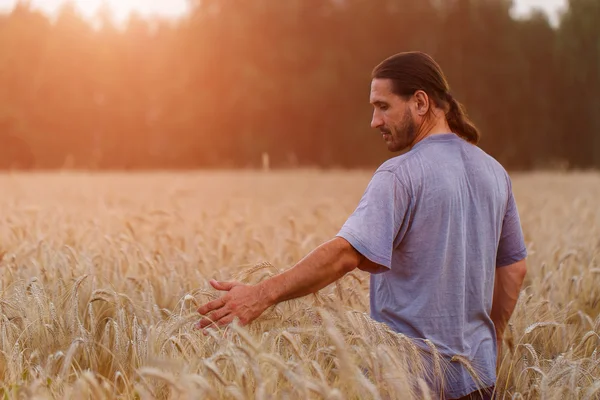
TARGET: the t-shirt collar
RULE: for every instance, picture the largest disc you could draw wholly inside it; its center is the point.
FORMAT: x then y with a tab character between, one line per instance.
437	137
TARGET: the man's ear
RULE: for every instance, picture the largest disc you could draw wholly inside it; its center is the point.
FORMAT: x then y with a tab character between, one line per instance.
421	103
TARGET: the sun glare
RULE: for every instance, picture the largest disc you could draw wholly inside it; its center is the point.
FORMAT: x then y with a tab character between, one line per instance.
120	8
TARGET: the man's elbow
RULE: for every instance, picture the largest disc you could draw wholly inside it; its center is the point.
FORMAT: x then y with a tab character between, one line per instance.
348	258
522	269
516	272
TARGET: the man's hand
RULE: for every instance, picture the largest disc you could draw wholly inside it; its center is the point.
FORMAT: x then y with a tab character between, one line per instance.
323	266
245	302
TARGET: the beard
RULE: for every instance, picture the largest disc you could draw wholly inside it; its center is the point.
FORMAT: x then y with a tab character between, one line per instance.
402	135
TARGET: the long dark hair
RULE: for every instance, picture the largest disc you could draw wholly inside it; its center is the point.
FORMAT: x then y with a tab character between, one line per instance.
412	71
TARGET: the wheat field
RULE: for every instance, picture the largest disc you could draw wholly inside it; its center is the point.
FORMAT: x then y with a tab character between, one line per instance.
102	275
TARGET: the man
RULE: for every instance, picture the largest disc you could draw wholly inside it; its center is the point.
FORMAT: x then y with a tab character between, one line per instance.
437	228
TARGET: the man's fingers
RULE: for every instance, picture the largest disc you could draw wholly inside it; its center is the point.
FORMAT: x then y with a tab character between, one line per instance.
225	321
224	285
213	318
213	305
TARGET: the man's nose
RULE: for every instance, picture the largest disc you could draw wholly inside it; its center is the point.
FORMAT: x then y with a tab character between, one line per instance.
376	122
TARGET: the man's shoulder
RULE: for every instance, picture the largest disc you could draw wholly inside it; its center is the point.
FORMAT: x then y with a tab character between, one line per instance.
396	164
492	163
487	156
404	167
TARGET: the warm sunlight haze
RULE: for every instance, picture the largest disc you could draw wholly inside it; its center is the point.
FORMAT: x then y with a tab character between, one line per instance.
122	8
299	199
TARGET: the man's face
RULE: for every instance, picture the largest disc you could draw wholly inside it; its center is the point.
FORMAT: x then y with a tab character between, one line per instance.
392	115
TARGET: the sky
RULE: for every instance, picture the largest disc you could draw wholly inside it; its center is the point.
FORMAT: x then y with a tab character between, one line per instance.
121	8
522	7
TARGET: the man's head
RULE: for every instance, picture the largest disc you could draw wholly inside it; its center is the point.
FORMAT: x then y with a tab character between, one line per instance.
409	93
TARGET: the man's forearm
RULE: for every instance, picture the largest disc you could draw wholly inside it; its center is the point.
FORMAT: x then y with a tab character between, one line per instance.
323	266
507	288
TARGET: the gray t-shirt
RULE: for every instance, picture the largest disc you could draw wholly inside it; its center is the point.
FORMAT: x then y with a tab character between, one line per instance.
439	220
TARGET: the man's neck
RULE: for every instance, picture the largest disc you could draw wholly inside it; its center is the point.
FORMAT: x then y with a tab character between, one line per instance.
439	127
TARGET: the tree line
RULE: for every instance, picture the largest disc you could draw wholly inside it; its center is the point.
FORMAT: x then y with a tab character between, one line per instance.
234	80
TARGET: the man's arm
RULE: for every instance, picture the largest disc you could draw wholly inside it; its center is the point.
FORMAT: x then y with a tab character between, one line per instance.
511	266
366	241
323	266
509	280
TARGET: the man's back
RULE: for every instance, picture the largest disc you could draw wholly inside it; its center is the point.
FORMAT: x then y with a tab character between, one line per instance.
437	230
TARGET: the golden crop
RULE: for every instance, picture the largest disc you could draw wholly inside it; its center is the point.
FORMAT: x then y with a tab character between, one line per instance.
102	275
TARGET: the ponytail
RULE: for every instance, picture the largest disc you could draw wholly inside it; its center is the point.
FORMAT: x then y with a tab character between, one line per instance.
460	123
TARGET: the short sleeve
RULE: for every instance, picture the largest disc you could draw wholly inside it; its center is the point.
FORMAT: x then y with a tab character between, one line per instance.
376	224
511	247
